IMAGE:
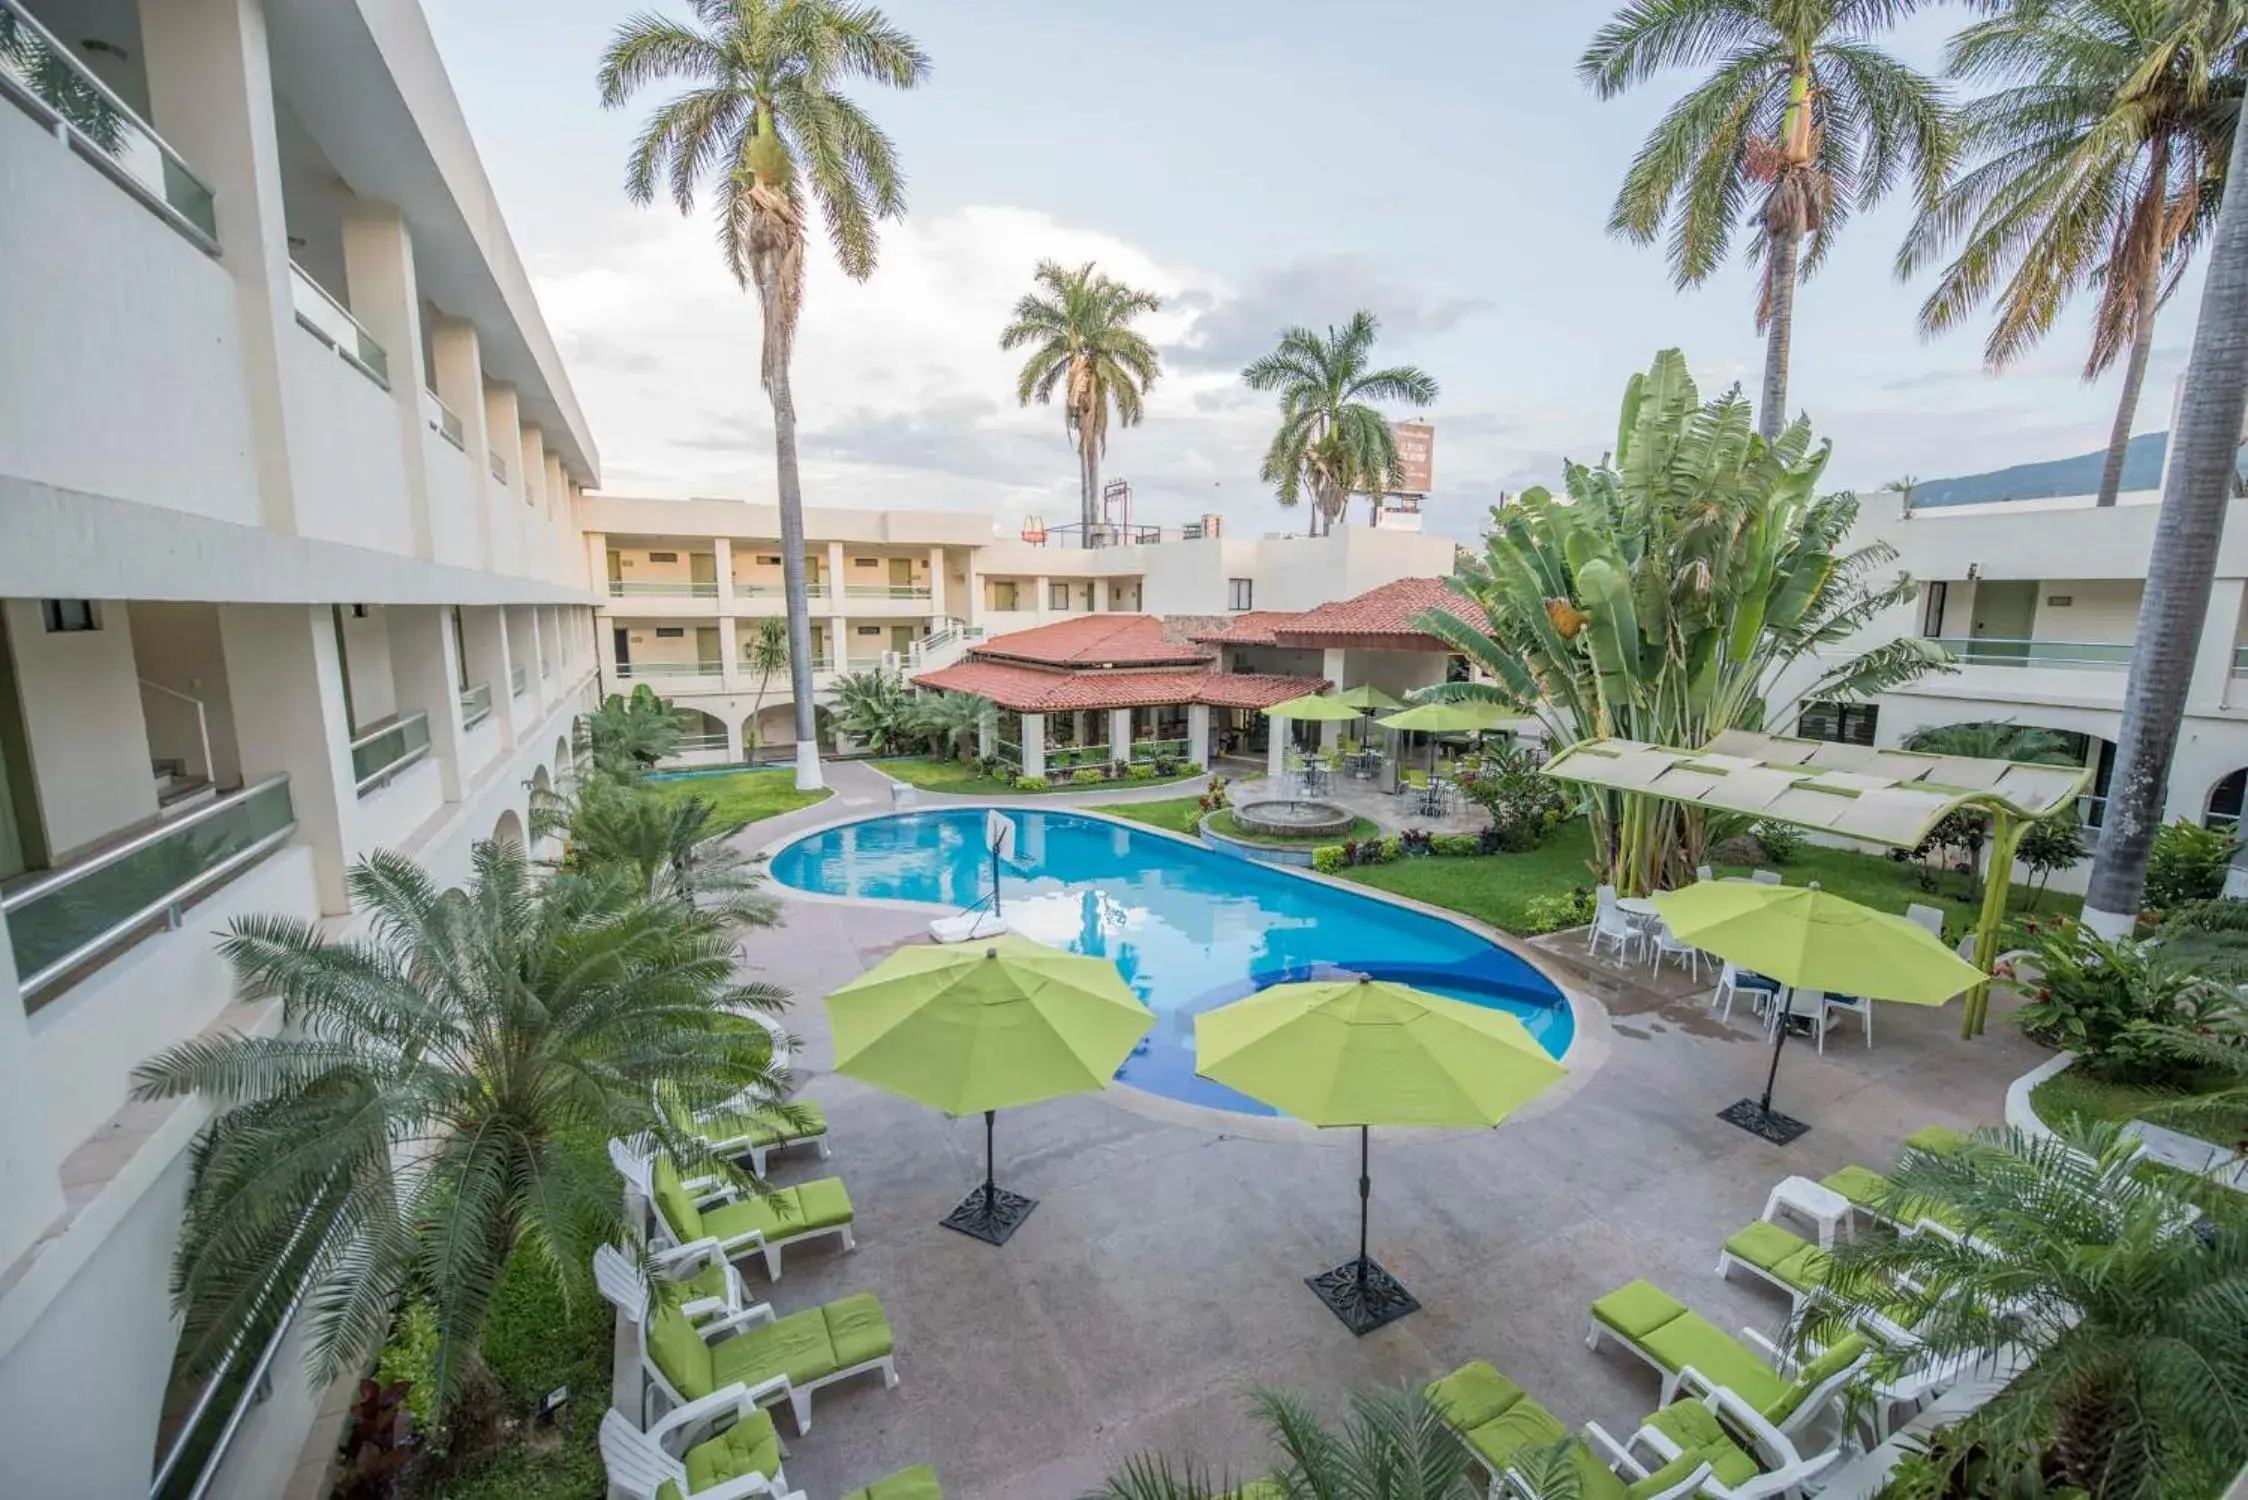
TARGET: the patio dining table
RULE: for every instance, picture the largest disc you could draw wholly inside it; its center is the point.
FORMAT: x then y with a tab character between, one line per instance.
1364	765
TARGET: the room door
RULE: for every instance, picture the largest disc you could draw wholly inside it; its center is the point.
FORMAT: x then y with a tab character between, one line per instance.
2005	613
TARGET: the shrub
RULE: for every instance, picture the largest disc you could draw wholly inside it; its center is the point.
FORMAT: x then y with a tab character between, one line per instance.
1030	783
1329	859
1553	913
1089	775
2048	846
1145	770
2187	864
1165	766
2112	1002
1782	841
1525	807
406	1358
1414	841
988	767
1456	844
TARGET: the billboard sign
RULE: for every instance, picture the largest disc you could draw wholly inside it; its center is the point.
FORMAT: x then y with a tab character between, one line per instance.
1416	456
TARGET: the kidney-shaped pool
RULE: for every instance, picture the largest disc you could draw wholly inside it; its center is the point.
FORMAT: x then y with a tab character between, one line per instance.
1189	928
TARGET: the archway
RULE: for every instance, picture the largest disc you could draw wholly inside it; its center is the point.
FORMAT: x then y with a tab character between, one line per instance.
561	757
699	731
770	733
509	829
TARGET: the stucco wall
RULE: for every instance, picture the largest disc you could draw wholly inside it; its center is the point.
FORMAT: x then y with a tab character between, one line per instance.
454	495
89	746
178	646
345	463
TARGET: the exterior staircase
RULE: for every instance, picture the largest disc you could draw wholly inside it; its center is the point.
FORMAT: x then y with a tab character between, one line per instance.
179	790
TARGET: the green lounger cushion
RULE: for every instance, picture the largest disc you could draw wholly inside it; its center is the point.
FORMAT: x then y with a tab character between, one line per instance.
916	1483
750	1446
765	1128
788	1211
709	1283
1691	1339
674	1202
1788	1256
805	1346
1637	1309
796	1346
1670	1474
1863	1186
1937	1140
1702	1439
1522	1425
680	1353
1473	1394
1842	1353
1262	1489
857	1330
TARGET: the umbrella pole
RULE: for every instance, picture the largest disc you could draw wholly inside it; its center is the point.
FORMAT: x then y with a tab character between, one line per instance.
1755	1115
990	1213
1358	1291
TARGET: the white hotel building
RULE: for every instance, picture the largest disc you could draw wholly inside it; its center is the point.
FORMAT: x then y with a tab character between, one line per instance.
288	571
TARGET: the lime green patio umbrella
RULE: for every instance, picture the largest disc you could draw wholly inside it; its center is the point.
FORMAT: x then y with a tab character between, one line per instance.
1445	718
1806	938
982	1027
1312	706
1365	1052
1366	696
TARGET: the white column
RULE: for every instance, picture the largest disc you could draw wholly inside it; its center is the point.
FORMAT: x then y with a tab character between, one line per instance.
30	1182
457	368
1096	590
421	674
1034	744
936	582
729	655
987	734
971	608
1198	734
1042	591
491	660
734	739
378	260
1120	734
835	588
210	89
503	511
605	653
554	500
1332	667
1276	751
722	554
289	716
2220	633
534	674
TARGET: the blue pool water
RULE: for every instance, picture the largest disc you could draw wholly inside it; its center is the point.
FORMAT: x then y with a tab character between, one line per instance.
1188	928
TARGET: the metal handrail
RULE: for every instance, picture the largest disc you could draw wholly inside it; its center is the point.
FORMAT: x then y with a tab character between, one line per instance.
332	324
701	742
680	588
672	669
170	904
497	463
403	726
885	591
777	590
202	721
177	195
1994	651
444	420
476	706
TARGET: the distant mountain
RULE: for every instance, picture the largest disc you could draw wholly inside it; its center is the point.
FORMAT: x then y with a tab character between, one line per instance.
2142	470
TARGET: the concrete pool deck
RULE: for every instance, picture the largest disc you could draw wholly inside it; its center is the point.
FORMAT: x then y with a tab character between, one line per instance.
1162	1274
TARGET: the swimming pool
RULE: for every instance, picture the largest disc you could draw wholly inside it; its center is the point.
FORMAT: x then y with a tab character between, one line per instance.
1188	928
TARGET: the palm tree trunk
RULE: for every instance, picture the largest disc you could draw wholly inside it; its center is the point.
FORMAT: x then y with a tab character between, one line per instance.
2195	492
1089	487
1771	414
2134	378
791	486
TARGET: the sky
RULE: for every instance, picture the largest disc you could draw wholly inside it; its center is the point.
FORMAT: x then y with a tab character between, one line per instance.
1259	164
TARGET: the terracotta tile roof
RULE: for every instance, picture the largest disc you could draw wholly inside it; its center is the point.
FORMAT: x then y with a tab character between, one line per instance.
1094	640
1026	689
1386	611
1251	628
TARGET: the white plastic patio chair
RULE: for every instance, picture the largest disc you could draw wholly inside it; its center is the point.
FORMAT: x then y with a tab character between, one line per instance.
639	1465
1704	872
1928	917
1786	1469
619	1279
1612	924
1766	877
1804	1005
1729	985
1663	945
1861	1008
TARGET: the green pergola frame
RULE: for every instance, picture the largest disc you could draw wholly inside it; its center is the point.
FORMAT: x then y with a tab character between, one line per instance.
1891	797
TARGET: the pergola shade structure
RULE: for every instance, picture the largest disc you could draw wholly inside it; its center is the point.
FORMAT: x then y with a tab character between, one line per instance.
1892	797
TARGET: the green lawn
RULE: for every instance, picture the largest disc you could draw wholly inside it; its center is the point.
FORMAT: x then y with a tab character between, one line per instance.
747	796
2077	1092
1177	814
1499	888
955	779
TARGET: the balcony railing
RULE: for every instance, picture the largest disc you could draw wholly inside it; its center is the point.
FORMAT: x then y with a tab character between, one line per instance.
380	754
62	920
776	591
518	680
872	662
692	742
885	591
2240	661
55	88
332	324
1011	754
661	588
1100	534
670	669
476	705
442	420
822	662
1983	651
498	465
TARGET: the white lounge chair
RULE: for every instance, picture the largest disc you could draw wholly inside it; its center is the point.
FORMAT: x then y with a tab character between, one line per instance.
1766	877
712	1287
685	1212
748	1449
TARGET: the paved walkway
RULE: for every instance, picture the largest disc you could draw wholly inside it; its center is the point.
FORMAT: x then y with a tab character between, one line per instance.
1162	1274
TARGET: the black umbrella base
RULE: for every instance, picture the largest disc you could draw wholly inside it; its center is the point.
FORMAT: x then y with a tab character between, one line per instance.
990	1214
1765	1124
1364	1302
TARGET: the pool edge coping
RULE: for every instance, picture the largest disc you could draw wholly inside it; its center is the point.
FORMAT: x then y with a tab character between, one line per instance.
1592	1036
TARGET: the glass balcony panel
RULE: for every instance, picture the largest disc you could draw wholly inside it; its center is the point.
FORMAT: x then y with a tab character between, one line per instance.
476	705
383	753
1986	651
60	920
332	323
441	417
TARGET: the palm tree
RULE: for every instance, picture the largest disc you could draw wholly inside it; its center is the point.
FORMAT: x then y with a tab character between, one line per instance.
1994	739
421	1115
625	738
762	118
1803	122
1082	341
2100	171
671	846
1330	441
953	721
2196	487
2133	1316
874	708
767	654
1393	1446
